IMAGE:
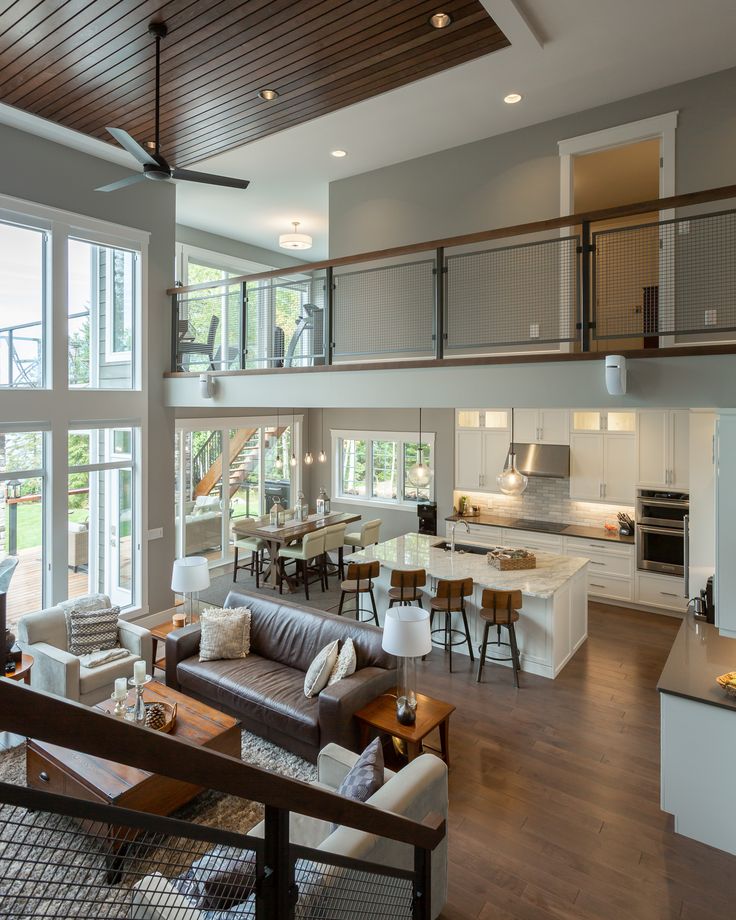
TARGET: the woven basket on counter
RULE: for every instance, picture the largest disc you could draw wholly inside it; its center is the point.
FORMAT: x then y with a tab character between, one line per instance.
509	560
728	682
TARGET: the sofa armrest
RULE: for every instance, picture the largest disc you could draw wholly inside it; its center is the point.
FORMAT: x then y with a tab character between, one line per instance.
137	640
180	644
339	703
54	670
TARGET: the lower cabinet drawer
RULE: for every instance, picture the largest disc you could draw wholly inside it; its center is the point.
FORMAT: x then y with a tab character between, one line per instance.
529	540
661	591
608	565
44	775
601	585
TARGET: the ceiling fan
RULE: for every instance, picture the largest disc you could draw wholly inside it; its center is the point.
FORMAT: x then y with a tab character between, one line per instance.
154	164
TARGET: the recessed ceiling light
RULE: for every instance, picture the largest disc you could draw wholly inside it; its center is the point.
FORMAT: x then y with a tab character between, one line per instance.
440	20
512	98
268	95
338	153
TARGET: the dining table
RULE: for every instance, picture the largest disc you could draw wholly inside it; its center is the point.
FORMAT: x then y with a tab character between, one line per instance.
278	535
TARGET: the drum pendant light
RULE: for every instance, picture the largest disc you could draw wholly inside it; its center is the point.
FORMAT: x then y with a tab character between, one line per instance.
420	473
511	481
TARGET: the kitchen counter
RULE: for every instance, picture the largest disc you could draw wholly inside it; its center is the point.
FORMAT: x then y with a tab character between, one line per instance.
699	655
553	527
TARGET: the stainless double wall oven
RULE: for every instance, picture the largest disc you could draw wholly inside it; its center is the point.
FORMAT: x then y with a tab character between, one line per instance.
662	531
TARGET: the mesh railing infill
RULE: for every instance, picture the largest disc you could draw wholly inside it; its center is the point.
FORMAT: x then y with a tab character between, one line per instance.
208	329
384	311
671	277
526	294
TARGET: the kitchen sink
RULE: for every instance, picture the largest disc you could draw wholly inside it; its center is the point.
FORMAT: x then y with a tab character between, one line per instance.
463	548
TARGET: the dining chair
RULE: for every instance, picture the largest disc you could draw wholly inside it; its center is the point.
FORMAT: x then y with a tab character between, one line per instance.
310	549
366	536
335	542
243	542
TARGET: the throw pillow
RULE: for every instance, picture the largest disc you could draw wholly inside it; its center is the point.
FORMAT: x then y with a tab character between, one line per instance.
224	634
345	664
92	630
320	669
220	879
366	775
87	602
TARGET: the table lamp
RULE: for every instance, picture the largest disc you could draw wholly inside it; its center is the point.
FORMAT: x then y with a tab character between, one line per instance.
406	634
189	576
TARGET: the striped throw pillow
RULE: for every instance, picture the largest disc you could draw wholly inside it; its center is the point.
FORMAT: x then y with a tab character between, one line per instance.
92	630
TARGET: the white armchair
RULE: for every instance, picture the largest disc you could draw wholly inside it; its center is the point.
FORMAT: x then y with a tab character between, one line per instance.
56	670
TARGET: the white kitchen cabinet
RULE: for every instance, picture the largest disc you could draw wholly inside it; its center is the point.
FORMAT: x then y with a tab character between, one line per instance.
480	455
615	421
610	567
603	467
725	511
526	539
664	591
482	418
663	448
495	451
542	426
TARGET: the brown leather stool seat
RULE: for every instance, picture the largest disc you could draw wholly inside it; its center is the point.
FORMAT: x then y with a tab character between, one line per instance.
500	609
359	581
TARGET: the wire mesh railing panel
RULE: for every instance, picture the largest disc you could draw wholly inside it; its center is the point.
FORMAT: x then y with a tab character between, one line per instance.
58	866
340	892
207	333
387	311
673	277
524	295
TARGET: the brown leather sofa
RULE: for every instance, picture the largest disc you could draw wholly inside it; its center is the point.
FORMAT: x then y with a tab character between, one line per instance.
265	691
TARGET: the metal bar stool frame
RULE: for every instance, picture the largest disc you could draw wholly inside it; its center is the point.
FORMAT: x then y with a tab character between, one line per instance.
493	615
361	572
451	590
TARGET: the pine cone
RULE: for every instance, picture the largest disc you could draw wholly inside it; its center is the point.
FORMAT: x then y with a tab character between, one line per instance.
155	716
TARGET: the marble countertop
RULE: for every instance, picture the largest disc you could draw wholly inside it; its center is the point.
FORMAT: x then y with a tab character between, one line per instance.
699	654
551	527
419	551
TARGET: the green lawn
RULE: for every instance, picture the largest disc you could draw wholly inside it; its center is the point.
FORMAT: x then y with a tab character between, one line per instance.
29	524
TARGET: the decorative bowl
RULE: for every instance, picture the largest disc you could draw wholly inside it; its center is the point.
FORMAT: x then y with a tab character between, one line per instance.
160	716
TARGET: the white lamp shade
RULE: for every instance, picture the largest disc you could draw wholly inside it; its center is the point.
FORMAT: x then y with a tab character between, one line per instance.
190	574
406	632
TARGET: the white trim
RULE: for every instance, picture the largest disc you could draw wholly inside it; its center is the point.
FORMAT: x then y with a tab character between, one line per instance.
220	261
375	502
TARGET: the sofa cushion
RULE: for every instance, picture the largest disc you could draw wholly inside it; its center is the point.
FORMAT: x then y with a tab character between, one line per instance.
93	679
263	690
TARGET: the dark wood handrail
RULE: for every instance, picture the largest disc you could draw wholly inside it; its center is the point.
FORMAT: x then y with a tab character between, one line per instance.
538	226
48	718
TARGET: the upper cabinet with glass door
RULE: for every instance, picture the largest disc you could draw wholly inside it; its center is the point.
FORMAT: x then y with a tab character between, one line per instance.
613	421
495	419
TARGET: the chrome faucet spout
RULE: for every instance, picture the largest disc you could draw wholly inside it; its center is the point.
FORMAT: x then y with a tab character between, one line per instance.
452	533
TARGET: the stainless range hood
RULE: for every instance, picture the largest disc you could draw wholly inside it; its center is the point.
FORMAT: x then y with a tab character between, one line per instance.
545	461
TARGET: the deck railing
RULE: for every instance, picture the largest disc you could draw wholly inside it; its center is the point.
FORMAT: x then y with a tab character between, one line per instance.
647	275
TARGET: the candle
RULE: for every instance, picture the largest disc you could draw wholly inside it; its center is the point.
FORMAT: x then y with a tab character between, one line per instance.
121	688
139	672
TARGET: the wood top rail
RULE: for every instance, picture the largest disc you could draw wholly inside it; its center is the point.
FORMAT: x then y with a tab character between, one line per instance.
554	223
57	721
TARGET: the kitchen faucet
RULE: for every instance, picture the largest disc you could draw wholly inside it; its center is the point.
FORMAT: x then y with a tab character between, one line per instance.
452	533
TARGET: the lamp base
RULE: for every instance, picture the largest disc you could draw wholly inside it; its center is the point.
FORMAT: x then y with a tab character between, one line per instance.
406	713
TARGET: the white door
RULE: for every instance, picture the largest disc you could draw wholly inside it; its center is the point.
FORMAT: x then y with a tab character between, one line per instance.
680	448
554	426
620	469
586	466
468	459
526	425
652	448
495	450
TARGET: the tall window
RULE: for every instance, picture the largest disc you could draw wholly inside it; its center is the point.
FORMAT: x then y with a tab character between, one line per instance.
22	517
102	526
375	467
23	285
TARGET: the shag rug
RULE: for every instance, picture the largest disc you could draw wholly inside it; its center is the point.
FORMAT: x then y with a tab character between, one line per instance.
50	867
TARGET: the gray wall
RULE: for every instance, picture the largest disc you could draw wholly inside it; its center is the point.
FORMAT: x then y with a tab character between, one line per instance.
395	521
239	250
515	177
41	171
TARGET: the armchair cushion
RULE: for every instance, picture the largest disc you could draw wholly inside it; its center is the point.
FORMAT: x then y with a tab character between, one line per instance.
92	680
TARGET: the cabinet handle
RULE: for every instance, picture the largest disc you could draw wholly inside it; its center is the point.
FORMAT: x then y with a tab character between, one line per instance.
668	594
593	562
44	777
594	585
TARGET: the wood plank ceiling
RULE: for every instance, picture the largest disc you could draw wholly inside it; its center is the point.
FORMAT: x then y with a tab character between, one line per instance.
90	63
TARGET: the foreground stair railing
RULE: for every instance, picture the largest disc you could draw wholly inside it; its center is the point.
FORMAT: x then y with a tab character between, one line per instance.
61	856
562	283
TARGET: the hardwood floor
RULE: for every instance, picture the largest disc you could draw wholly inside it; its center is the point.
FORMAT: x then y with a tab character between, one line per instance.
554	788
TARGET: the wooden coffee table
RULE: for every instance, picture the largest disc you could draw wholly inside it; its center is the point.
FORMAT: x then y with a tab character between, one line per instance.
57	769
381	715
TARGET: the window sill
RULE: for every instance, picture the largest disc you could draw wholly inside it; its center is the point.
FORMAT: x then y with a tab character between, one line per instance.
375	503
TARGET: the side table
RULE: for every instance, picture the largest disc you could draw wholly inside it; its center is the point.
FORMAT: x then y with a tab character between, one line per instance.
160	632
23	670
380	714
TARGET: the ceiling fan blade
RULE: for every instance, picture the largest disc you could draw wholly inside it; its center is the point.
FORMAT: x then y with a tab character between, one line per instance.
132	146
192	176
121	183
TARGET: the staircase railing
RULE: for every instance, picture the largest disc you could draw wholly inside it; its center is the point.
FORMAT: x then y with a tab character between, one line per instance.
62	856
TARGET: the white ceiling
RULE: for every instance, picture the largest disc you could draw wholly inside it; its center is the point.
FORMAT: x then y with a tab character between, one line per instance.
565	56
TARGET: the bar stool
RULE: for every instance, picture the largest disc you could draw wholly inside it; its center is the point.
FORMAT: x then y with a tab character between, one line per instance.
449	599
500	609
367	536
335	540
406	587
360	581
311	547
253	545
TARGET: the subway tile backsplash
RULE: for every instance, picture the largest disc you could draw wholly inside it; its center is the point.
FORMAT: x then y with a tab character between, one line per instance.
546	500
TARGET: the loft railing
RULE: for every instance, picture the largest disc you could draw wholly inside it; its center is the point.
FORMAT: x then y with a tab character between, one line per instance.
652	274
62	856
21	354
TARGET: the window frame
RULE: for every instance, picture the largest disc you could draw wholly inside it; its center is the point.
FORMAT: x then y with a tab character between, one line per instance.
112	356
401	438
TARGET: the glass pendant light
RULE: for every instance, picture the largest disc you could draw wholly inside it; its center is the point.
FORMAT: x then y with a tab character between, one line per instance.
322	456
511	481
278	462
420	473
292	459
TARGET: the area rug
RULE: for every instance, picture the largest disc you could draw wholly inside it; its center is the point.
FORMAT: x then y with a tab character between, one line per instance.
222	585
33	846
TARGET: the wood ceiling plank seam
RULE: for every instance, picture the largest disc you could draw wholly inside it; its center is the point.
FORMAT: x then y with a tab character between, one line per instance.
206	110
140	37
78	96
323	108
206	73
23	11
307	90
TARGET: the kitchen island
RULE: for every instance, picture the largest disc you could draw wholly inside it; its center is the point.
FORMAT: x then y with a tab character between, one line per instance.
554	615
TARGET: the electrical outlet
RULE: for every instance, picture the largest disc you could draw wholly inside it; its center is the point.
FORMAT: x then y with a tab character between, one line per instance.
156	533
711	317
